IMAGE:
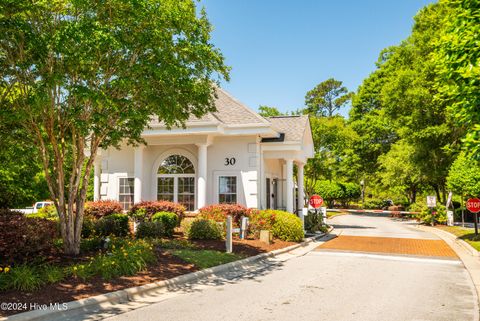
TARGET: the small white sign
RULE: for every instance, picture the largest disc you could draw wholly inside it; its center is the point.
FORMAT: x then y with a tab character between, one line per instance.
431	201
450	218
323	211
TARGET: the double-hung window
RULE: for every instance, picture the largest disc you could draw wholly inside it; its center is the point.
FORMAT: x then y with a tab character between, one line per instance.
227	189
126	192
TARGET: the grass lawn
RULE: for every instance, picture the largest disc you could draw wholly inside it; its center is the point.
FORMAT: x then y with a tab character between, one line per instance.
206	258
466	234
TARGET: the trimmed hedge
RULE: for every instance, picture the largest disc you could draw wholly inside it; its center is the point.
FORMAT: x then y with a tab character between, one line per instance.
283	225
154	229
203	229
146	209
99	209
169	221
110	225
22	237
113	224
219	212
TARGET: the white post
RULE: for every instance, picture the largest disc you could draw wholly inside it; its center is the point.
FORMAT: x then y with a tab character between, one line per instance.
138	173
96	180
228	240
301	202
202	176
289	165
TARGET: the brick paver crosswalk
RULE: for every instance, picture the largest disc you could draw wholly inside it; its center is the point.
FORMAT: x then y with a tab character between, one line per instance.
402	246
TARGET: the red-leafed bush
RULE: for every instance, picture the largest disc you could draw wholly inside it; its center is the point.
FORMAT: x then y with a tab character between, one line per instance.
144	211
22	237
99	209
219	212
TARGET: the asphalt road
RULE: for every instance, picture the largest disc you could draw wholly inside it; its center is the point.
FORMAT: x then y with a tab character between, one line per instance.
323	286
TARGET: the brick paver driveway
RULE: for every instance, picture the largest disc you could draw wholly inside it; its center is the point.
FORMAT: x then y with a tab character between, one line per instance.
384	235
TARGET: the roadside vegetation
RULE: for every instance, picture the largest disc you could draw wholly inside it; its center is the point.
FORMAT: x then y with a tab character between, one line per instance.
466	234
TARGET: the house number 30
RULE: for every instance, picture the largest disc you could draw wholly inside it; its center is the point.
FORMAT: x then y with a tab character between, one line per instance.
230	161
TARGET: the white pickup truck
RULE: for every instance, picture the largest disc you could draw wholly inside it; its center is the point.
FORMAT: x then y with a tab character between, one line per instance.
34	208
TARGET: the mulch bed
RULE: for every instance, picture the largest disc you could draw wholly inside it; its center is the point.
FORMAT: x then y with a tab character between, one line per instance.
168	266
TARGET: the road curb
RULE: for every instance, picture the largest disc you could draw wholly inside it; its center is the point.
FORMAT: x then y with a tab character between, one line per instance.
130	294
454	238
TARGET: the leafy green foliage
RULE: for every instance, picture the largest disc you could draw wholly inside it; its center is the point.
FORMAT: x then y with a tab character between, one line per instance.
206	258
169	221
92	74
147	229
112	225
203	229
439	214
267	111
457	60
26	278
326	98
332	191
283	225
287	227
464	176
146	209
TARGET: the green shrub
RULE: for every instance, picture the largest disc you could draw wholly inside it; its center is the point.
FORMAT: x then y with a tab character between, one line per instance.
169	220
112	225
287	227
313	222
25	278
99	209
374	204
52	273
426	215
48	212
154	229
127	259
88	227
203	229
91	244
283	225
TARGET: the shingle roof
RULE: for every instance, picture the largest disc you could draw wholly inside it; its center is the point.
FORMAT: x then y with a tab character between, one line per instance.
229	112
293	126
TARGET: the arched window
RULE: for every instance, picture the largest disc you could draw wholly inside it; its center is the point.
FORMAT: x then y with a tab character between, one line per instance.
176	181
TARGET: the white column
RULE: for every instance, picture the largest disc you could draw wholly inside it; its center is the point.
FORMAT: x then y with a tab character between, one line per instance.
289	165
96	180
260	176
138	173
300	185
202	176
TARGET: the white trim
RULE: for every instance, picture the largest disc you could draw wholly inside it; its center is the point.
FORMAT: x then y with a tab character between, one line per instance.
162	157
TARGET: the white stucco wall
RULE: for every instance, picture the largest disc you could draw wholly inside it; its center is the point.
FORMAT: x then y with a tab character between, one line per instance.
120	163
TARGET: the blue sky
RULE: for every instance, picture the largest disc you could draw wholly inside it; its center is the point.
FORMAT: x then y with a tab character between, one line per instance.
279	49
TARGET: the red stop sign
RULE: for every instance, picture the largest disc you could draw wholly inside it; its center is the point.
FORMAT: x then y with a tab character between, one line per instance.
473	205
316	201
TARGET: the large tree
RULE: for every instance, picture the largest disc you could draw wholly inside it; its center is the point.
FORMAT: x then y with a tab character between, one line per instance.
326	98
80	75
457	60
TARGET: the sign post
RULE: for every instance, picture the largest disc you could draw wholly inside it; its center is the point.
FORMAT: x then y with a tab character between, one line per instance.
473	205
432	203
316	201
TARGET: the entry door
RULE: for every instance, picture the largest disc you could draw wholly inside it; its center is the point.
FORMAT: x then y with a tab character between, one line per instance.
275	193
268	196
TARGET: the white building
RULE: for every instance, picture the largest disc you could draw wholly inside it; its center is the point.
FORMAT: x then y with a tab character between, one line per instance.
232	155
